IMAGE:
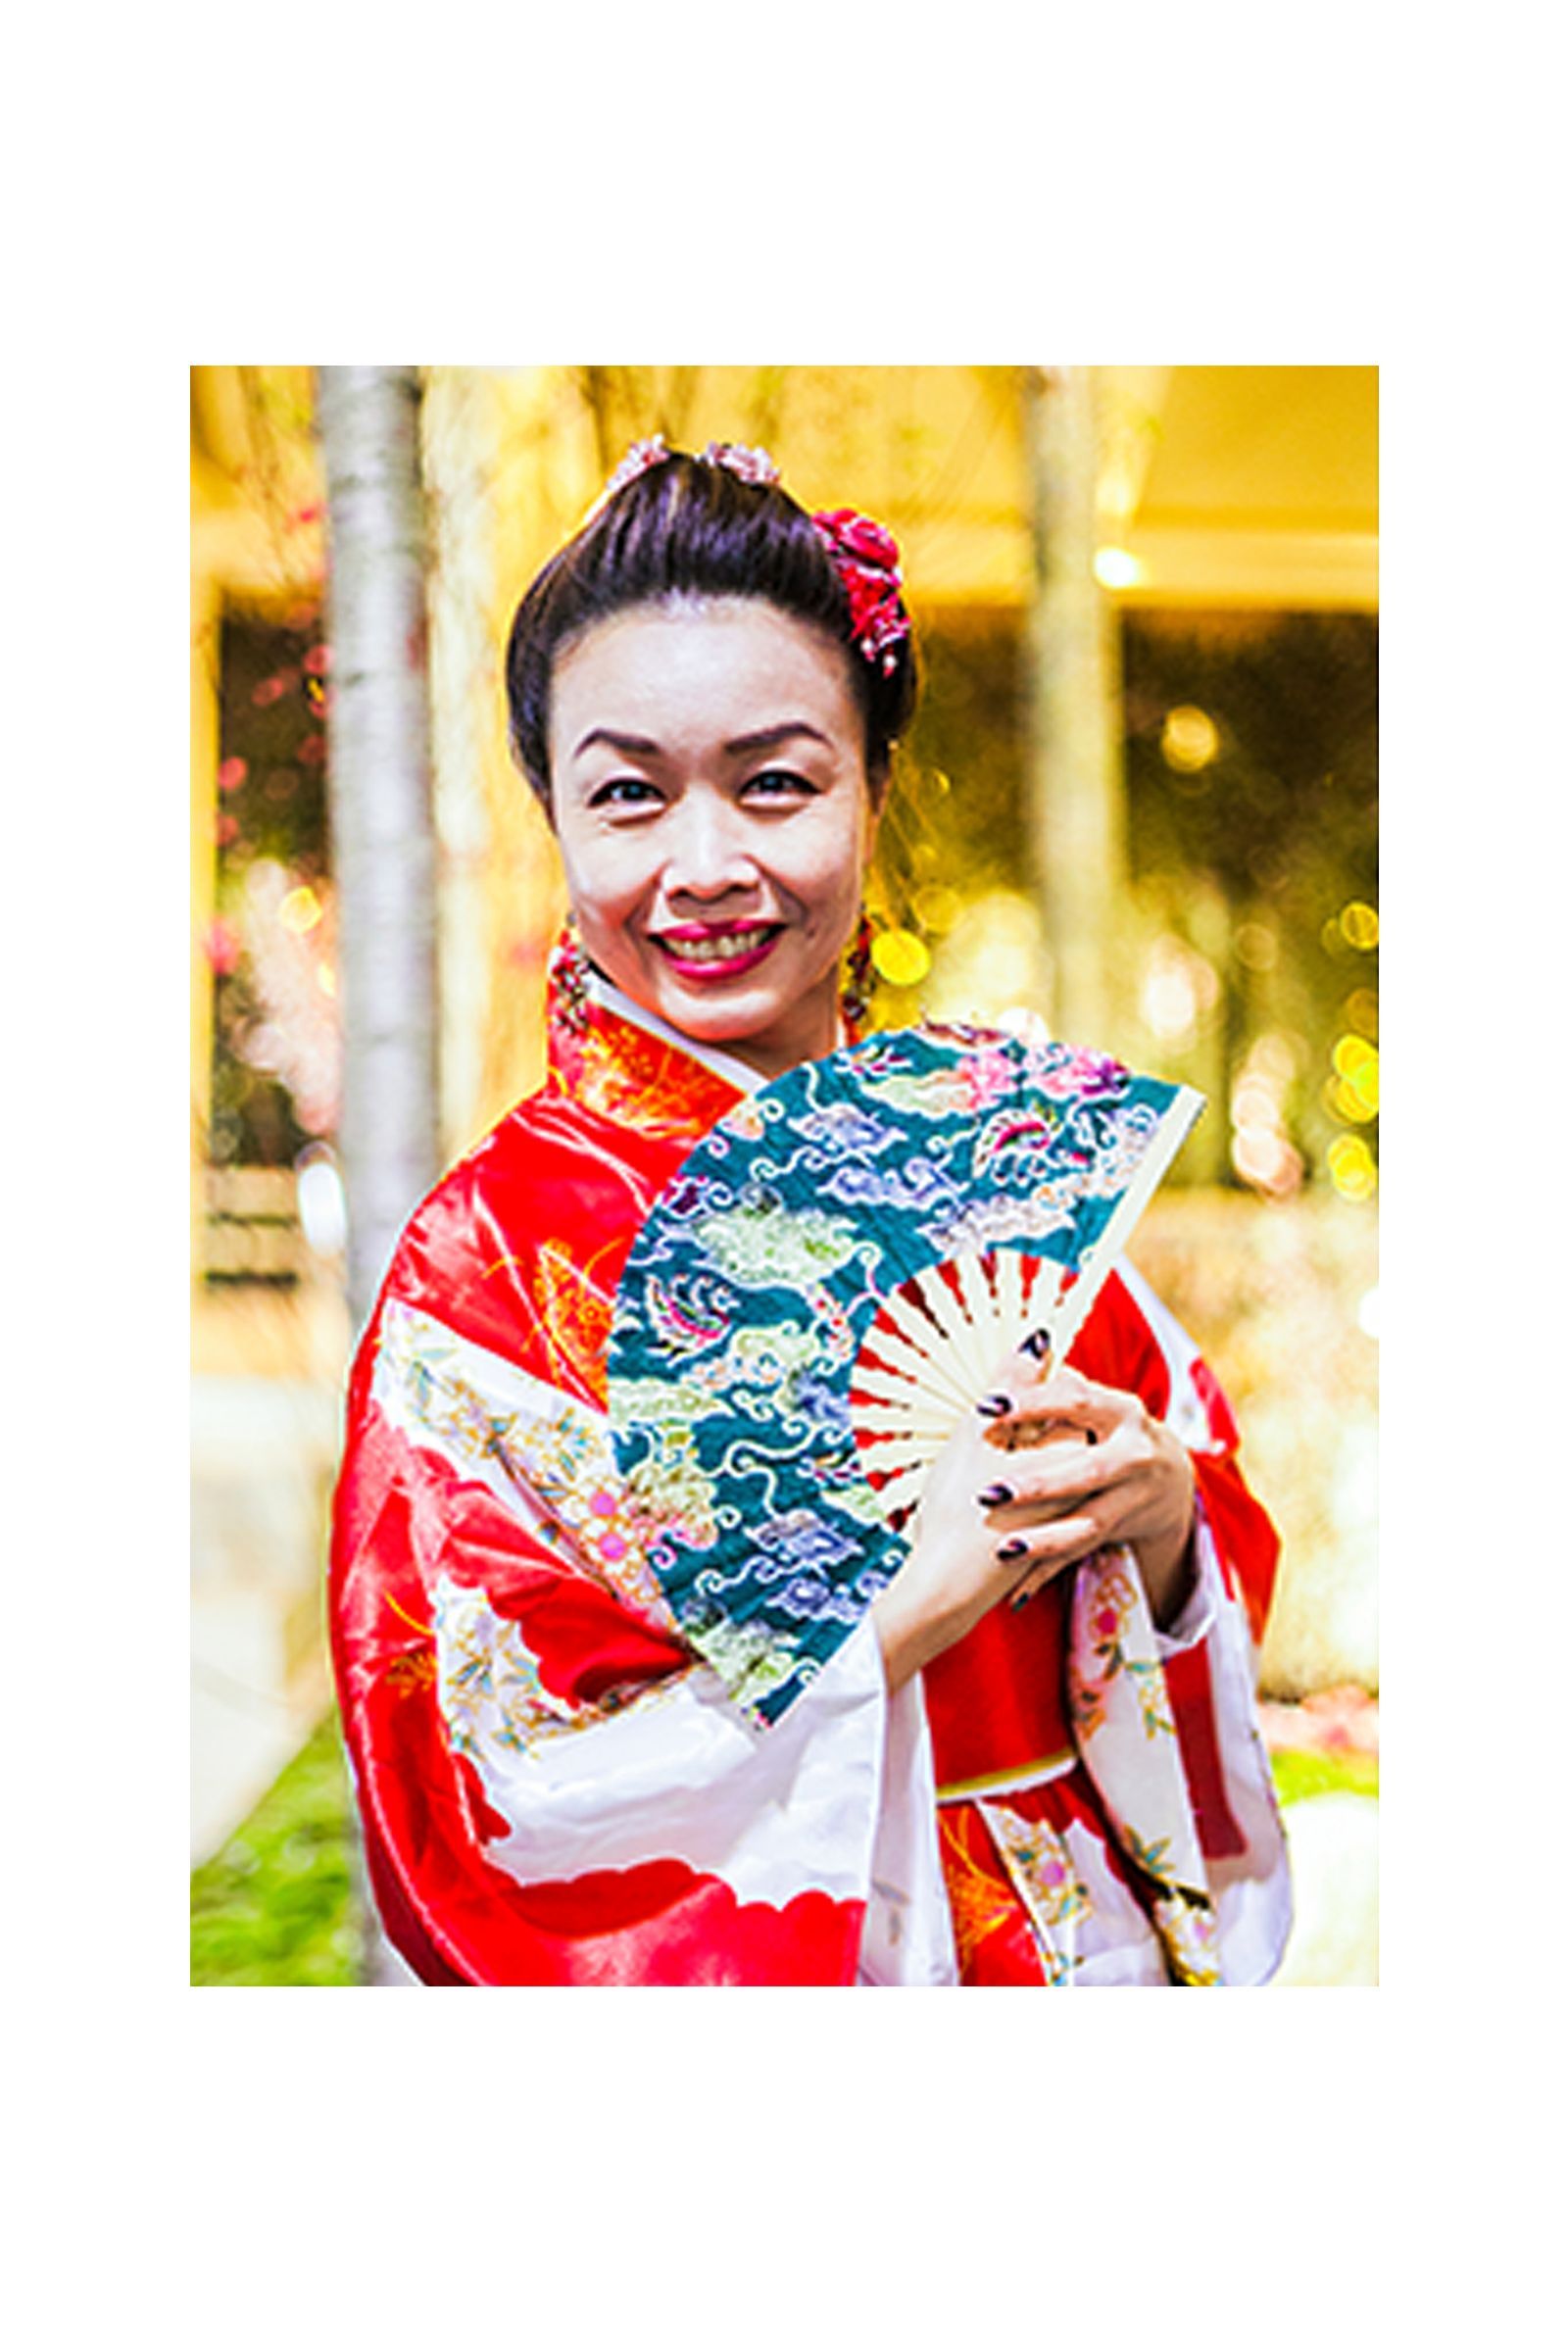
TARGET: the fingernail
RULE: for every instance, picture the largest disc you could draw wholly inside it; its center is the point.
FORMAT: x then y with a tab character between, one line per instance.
993	1496
1013	1549
992	1406
1038	1343
1018	1600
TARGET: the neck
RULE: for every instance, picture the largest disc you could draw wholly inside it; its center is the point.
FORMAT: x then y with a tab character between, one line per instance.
811	1028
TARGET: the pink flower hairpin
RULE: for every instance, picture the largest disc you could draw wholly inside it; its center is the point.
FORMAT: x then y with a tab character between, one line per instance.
747	464
639	458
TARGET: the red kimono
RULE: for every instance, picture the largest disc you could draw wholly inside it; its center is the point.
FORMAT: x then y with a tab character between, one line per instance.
556	1791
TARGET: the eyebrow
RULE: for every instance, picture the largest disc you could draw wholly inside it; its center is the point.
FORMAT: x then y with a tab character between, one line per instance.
757	739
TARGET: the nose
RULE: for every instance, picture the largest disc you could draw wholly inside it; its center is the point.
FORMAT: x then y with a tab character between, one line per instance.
708	851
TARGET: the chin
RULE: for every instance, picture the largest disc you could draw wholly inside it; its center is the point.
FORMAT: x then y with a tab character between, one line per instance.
770	1037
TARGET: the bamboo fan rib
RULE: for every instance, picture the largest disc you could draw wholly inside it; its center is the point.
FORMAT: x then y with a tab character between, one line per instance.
936	1346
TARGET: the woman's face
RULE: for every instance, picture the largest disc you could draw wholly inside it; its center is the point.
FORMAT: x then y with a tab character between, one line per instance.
708	773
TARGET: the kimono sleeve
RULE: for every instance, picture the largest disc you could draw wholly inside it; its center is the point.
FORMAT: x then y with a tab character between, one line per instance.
553	1790
1209	1656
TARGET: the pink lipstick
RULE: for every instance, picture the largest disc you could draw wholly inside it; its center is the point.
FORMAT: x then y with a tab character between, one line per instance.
706	953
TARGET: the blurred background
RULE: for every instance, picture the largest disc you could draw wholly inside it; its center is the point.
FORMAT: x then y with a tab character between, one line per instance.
1140	805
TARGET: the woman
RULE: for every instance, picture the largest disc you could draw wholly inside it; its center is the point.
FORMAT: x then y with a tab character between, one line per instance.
705	688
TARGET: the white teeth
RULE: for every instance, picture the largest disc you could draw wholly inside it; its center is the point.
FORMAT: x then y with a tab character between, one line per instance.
719	948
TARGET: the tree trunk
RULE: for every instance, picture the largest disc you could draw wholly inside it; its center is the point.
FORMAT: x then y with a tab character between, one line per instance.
1077	810
383	850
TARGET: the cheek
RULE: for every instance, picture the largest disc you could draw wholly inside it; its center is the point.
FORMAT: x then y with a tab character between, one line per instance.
600	882
832	861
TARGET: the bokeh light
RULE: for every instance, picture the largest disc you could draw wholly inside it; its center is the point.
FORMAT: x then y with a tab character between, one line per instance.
1361	1010
1115	567
1261	1151
1352	1170
322	1207
1179	988
301	910
1358	923
1189	739
1256	946
936	908
901	959
1352	1092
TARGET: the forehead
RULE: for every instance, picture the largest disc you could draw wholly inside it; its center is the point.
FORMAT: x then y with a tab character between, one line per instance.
686	669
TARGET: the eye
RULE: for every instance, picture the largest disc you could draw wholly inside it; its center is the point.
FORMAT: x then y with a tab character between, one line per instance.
780	783
624	792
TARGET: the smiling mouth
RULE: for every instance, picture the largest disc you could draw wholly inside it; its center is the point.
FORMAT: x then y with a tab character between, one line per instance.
716	954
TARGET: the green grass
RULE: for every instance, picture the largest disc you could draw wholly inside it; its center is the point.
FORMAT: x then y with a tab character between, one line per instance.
277	1906
1301	1772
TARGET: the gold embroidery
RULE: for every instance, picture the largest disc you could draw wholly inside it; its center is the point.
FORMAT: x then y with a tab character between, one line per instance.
626	1074
577	1313
980	1903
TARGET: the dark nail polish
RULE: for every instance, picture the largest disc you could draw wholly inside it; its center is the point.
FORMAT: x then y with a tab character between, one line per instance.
994	1496
1037	1344
1013	1549
991	1407
1018	1600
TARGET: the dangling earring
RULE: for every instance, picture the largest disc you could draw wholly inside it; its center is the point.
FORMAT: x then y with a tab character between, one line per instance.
567	993
858	981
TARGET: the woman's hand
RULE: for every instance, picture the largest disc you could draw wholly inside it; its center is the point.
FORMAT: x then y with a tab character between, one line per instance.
1044	1475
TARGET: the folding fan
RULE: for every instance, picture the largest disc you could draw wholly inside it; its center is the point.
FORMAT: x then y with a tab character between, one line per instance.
829	1283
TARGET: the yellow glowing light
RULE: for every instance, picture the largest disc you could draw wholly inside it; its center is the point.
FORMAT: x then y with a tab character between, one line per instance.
1348	1102
1353	1171
1114	568
901	959
1256	946
937	907
1189	739
301	911
1359	923
1361	1008
1354	1092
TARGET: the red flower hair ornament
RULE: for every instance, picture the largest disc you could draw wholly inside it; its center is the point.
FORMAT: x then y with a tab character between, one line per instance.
865	558
865	555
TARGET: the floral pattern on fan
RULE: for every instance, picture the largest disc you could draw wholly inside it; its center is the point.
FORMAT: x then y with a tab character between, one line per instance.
829	1283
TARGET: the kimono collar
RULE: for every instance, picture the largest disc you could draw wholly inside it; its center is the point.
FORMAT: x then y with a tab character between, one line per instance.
625	1064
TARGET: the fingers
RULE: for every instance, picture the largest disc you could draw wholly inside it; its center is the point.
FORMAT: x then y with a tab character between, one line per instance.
1035	1578
1030	1411
1047	1481
1035	1561
1055	1507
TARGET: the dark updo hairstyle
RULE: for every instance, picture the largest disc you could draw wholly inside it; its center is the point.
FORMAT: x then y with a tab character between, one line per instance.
690	528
